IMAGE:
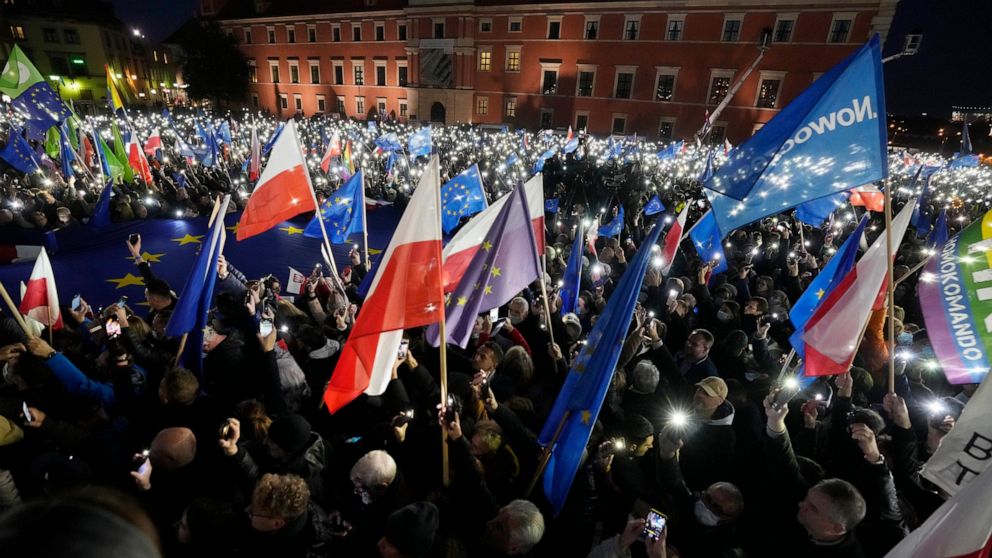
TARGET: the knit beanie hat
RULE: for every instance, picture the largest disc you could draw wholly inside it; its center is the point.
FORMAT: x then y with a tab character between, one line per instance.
290	432
411	528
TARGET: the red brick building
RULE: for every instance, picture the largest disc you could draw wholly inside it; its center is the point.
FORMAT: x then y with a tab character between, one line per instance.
648	67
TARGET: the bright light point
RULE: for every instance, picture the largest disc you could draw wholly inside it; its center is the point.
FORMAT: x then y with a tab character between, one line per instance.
678	419
561	283
967	259
791	383
651	313
149	200
668	219
936	407
596	269
754	252
818	397
284	328
586	223
931	365
179	214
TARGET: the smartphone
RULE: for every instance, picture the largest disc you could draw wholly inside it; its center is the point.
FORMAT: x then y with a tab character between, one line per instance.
28	417
77	301
783	397
265	328
122	302
134	239
404	349
353	440
112	327
494	315
654	524
140	463
225	430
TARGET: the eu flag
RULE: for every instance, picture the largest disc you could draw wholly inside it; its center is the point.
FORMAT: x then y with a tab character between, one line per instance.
921	213
577	407
671	151
572	278
511	159
830	138
388	142
18	154
613	149
821	286
570	146
31	95
551	205
101	213
539	164
67	155
940	234
706	238
419	143
654	206
815	212
342	212
614	227
461	196
272	141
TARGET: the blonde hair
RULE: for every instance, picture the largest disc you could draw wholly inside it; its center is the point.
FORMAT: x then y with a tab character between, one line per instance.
284	496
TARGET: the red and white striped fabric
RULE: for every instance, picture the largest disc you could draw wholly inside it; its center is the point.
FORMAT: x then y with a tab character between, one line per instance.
405	292
137	160
672	240
333	150
40	299
869	197
255	163
462	247
154	143
283	191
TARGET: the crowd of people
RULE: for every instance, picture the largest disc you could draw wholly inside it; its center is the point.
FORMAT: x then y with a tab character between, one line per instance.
107	447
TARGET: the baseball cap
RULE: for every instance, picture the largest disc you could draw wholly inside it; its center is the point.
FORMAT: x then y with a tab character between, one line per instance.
713	386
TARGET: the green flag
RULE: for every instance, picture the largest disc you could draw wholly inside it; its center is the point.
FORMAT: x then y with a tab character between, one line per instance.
52	145
19	74
121	153
72	123
116	170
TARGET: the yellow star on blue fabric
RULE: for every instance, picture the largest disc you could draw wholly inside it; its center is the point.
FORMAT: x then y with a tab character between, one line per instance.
291	230
487	246
150	258
586	416
488	289
462	301
188	239
235	228
127	280
496	271
820	293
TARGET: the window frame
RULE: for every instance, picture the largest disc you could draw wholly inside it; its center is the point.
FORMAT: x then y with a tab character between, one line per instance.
632	70
770	75
791	17
482	105
714	74
487	65
585	69
515	19
849	17
665	71
552	20
675	18
598	26
727	20
510	49
627	20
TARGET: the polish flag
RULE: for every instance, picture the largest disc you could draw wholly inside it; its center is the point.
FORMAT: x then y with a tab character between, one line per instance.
960	528
333	150
462	247
154	144
672	240
88	151
405	293
40	300
283	191
869	197
568	138
833	332
136	157
255	163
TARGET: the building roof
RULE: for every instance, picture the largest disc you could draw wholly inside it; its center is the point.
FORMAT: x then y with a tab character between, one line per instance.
245	9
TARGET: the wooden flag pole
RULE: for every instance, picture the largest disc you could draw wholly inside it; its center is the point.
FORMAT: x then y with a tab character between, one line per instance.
445	470
544	296
546	454
890	289
15	311
365	228
913	270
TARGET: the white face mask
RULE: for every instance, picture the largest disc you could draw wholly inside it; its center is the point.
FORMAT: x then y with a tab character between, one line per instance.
704	515
515	319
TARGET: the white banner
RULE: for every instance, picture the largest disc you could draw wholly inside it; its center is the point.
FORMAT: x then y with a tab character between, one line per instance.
967	450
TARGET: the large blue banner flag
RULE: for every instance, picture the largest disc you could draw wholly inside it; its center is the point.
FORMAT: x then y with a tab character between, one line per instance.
18	153
706	238
461	196
577	407
830	138
341	212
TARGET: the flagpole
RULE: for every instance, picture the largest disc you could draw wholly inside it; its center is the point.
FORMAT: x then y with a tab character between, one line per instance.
546	454
913	270
890	288
365	227
210	224
15	311
50	324
445	472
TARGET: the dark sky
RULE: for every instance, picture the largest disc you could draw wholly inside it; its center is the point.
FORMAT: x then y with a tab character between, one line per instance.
952	67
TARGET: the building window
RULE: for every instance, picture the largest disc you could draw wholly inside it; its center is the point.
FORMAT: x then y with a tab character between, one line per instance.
356	32
271	33
338	73
516	24
336	33
513	61
252	72
666	130
17	32
485	60
71	36
718	133
359	74
549	82
401	73
380	75
625	85
438	29
380	32
675	27
581	121
630	29
274	70
247	32
321	104
485	26
314	72
586	81
254	100
554	29
592	29
360	105
619	124
312	35
380	105
290	34
294	72
719	86
665	88
403	109
783	30
510	107
839	30
768	92
547	118
50	35
283	101
298	102
340	105
401	31
482	106
731	30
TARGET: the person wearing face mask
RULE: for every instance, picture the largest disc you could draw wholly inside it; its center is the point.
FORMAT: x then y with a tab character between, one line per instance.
703	523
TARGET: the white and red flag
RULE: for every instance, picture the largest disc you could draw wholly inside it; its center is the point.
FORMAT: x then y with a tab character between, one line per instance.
40	299
255	157
672	240
869	197
154	144
405	293
333	150
283	191
136	158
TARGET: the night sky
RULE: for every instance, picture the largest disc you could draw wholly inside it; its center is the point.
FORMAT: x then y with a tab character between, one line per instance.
952	67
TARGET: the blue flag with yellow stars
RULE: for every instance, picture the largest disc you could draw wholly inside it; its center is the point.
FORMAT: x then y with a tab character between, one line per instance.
31	95
461	196
18	154
551	205
615	226
342	212
654	206
581	397
706	238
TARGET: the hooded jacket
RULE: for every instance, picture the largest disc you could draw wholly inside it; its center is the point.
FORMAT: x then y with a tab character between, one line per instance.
708	454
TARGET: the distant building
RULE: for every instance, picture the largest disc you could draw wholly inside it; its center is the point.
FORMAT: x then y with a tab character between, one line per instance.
71	41
654	68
